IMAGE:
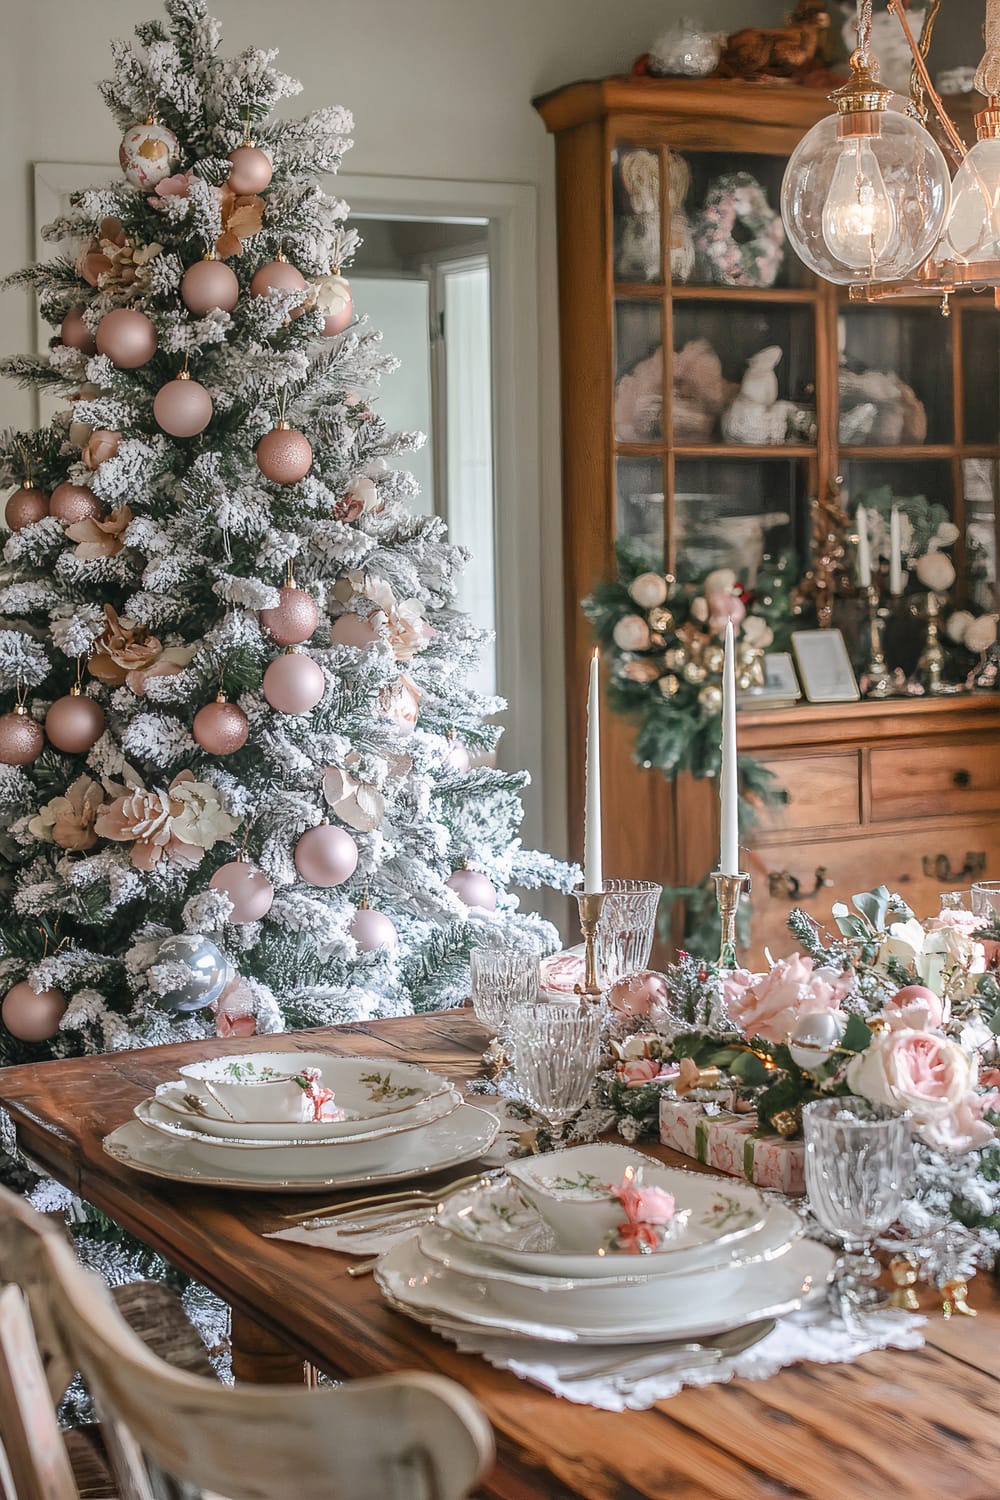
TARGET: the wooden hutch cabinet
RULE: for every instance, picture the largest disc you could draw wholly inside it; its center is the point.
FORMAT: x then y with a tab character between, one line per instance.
905	791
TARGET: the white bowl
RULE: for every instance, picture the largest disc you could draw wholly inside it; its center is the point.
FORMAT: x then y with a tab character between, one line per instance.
572	1190
260	1087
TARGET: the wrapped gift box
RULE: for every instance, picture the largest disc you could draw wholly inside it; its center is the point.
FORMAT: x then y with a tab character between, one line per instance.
727	1142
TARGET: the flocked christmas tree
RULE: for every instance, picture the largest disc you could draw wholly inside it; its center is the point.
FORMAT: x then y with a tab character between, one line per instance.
235	779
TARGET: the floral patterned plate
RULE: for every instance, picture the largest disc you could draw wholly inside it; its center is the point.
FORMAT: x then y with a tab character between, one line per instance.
226	1088
186	1109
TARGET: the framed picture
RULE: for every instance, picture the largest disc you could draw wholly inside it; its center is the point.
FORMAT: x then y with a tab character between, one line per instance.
824	666
781	686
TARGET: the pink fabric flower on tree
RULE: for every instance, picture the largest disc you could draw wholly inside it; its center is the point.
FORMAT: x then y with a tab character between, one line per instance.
768	1005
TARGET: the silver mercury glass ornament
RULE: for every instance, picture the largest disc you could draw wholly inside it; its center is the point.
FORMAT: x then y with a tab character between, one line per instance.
208	972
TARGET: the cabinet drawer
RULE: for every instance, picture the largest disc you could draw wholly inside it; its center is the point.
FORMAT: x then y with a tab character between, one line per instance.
926	781
919	864
824	791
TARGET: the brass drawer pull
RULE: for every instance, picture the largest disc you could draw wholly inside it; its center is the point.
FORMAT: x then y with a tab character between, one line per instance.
784	883
939	866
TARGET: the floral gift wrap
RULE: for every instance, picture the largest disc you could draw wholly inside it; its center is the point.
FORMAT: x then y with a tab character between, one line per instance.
728	1143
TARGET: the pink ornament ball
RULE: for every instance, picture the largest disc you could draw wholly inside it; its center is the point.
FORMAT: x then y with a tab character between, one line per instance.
247	887
32	1017
26	506
353	630
70	503
279	276
221	728
127	337
638	994
75	334
284	456
294	619
326	855
22	739
74	723
372	930
473	889
294	684
182	407
251	170
208	285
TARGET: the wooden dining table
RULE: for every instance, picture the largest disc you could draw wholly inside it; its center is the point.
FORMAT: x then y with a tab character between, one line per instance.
915	1425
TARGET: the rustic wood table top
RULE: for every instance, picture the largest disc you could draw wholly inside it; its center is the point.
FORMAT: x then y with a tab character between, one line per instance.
920	1425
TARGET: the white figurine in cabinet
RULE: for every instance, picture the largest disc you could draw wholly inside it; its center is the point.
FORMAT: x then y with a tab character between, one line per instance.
756	416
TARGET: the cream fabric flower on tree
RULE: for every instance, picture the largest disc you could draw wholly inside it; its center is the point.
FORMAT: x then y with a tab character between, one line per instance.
356	803
68	821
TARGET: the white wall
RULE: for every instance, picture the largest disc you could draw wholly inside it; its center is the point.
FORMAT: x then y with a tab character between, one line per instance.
439	88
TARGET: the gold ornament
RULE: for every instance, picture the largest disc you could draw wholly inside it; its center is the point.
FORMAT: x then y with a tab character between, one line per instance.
904	1275
669	685
788	1122
661	620
714	658
743	681
675	660
694	672
878	1027
710	698
953	1299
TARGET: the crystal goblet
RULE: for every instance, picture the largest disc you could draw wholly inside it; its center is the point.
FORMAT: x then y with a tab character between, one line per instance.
858	1165
986	902
625	931
501	979
555	1049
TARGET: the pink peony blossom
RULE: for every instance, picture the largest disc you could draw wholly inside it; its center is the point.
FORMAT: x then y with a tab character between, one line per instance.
931	1077
768	1005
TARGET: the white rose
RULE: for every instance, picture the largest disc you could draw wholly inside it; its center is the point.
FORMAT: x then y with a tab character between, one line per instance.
958	624
936	572
631	633
722	581
757	632
648	590
981	633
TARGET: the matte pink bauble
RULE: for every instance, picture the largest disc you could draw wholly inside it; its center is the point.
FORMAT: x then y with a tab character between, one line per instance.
32	1017
251	169
294	619
637	994
75	334
279	276
326	855
182	407
341	305
127	337
283	455
372	930
294	684
247	887
473	889
70	503
353	630
221	728
209	284
456	756
26	506
22	739
74	723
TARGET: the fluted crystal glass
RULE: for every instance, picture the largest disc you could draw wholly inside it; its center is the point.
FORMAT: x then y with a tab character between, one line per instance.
986	902
554	1049
625	931
501	979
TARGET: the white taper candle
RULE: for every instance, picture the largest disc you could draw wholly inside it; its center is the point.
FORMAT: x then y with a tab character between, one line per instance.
729	854
864	548
895	553
593	873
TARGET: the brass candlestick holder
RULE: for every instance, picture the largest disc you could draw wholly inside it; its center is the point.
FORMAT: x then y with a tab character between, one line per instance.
591	905
728	890
929	672
879	678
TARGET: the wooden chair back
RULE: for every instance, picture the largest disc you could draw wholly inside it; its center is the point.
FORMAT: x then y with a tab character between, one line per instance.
393	1437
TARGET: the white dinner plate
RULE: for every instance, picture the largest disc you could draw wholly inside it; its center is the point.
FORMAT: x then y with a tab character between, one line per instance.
781	1228
498	1221
185	1109
462	1136
711	1303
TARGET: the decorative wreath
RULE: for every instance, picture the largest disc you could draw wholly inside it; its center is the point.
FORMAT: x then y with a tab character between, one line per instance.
737	199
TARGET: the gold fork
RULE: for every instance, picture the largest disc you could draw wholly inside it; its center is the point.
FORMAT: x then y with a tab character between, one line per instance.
387	1204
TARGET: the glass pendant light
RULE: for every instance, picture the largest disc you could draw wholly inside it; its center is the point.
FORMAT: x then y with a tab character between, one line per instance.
970	245
866	191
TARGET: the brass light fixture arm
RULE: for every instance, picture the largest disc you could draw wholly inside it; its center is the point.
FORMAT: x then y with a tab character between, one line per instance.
894	7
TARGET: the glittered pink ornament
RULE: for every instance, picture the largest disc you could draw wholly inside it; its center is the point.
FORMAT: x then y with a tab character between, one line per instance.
456	757
247	887
221	728
127	337
251	169
326	855
638	994
74	723
182	407
279	275
208	285
372	930
26	506
283	455
75	334
70	503
473	889
293	619
294	684
353	630
22	740
32	1017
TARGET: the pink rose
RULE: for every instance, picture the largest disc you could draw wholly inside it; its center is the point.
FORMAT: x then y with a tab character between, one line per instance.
768	1005
645	1205
989	1078
964	1129
636	994
722	608
639	1071
931	1077
637	1239
915	1008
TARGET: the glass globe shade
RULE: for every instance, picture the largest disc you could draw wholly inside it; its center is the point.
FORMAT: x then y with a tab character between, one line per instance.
864	197
972	228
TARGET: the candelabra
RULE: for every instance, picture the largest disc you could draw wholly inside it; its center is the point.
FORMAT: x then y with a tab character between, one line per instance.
729	889
591	904
877	674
